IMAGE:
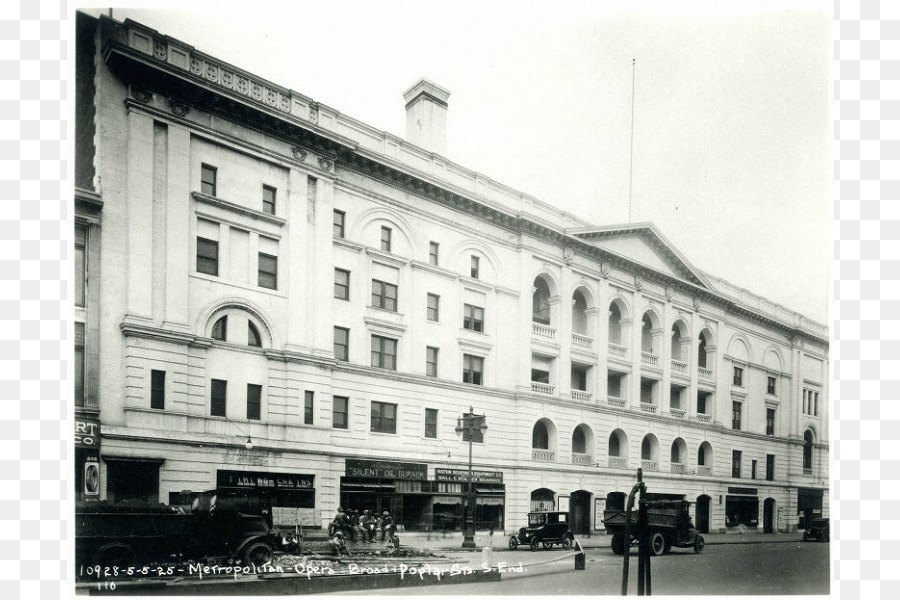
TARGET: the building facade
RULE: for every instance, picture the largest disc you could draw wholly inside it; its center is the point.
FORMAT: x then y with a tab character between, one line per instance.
292	307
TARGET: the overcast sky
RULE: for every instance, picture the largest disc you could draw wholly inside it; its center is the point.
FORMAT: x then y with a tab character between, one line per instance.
731	123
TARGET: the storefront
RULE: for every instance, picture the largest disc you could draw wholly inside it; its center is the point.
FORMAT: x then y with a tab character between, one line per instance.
279	496
741	507
420	504
87	458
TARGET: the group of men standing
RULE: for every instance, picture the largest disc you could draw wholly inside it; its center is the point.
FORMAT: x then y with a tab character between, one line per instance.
362	527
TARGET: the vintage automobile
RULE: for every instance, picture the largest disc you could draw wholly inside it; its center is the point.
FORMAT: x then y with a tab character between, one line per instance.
121	535
817	529
668	524
545	528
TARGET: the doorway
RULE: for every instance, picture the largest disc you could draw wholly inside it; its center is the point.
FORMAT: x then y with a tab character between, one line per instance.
703	513
580	512
769	515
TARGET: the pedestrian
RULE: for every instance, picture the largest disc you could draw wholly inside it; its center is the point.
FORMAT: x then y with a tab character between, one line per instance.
387	526
338	546
353	524
393	545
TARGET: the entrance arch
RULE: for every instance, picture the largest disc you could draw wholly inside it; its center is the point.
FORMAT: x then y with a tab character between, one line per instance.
769	515
580	512
702	516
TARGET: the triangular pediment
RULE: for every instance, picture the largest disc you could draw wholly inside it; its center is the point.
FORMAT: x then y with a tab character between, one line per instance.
642	243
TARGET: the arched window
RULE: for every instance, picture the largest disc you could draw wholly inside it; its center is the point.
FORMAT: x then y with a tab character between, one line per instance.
253	337
540	311
647	334
615	328
579	444
675	456
618	444
220	329
701	352
807	450
540	439
542	499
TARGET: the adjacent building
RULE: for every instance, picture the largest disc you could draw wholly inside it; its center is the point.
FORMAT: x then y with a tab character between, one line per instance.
279	302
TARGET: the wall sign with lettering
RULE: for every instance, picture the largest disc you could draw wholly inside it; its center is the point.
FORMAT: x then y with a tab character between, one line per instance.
463	475
254	480
385	469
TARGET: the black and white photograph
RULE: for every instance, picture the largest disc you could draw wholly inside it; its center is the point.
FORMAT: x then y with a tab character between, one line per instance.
460	299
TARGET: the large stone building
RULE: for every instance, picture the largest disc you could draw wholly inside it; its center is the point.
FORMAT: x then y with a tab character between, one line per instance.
279	301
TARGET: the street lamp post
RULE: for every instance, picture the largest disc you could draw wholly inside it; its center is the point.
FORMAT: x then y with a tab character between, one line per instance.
466	427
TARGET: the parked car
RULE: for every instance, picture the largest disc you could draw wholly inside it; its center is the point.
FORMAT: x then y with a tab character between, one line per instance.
116	535
818	529
545	528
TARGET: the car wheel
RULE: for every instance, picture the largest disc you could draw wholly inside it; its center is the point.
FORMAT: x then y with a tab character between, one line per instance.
618	544
567	542
114	555
547	545
535	543
513	542
699	544
258	553
657	544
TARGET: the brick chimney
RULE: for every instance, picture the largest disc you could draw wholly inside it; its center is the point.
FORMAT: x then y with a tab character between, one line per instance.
426	116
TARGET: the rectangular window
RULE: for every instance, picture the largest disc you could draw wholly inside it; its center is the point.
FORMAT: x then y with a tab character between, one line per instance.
341	343
805	393
433	248
473	317
79	364
268	198
736	463
815	404
80	264
770	467
738	377
384	417
770	387
339	216
217	396
473	369
384	295
311	187
341	284
431	415
752	469
433	313
208	179
207	256
254	401
386	239
384	352
308	398
431	361
339	412
268	271
701	403
736	415
474	268
770	421
158	389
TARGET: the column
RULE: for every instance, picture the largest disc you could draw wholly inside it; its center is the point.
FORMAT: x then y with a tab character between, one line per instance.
139	202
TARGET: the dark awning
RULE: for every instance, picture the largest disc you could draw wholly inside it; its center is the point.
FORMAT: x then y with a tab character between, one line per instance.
366	486
489	489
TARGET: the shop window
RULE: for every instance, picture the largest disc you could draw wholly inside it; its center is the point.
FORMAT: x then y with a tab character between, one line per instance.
473	318
157	389
341	343
384	417
208	179
339	412
384	352
132	481
431	418
268	199
339	219
341	284
473	369
254	401
308	399
384	295
218	393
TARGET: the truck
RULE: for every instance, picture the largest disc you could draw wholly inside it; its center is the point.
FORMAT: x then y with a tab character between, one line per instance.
668	523
111	535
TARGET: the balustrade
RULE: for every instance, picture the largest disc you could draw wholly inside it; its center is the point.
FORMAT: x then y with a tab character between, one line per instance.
617	462
581	396
543	331
650	408
614	401
543	455
649	359
582	341
542	388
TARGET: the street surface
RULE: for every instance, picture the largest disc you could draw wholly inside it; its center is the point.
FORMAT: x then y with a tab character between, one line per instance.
763	568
